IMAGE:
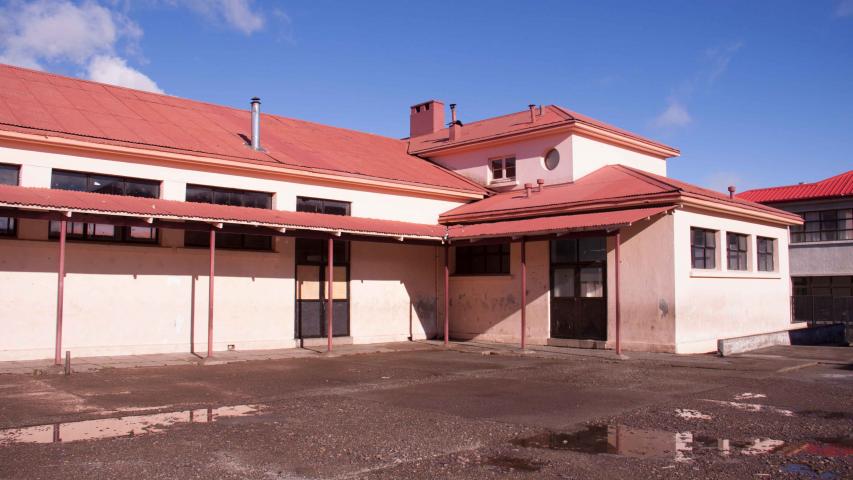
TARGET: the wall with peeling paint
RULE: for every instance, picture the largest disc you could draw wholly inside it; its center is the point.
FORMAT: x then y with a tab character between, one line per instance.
647	286
488	307
392	288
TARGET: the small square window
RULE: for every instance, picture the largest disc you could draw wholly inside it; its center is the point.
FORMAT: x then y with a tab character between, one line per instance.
502	168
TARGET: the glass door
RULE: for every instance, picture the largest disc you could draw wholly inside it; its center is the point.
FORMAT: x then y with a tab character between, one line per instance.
578	288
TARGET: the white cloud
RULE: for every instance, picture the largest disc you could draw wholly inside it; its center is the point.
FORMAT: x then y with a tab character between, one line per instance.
844	9
87	34
718	60
114	70
715	63
238	14
675	115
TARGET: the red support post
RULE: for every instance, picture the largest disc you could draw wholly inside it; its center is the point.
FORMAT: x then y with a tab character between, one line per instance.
446	294
616	296
329	297
523	291
210	293
60	291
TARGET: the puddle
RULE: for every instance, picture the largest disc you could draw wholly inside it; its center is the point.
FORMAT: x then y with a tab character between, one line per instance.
119	427
749	396
689	414
753	407
514	463
639	443
807	472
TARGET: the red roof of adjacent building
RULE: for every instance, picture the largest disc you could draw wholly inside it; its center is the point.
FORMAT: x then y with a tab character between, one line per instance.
837	186
116	205
53	105
608	188
518	123
555	224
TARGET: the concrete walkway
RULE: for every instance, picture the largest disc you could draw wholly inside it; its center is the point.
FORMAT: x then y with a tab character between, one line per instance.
91	364
793	355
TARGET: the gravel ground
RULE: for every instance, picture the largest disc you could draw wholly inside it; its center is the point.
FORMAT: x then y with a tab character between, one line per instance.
438	414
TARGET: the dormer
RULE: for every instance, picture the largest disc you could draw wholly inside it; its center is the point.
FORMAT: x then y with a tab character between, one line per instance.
541	142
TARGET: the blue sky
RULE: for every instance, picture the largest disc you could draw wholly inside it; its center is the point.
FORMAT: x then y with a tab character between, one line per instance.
753	93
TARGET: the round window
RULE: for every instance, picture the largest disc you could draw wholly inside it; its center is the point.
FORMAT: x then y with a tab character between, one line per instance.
552	159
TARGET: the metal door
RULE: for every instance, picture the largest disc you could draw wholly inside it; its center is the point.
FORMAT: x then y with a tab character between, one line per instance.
579	288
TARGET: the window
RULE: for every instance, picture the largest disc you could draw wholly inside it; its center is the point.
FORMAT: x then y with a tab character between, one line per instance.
503	169
8	176
578	267
552	159
111	185
765	254
483	260
703	246
824	226
319	205
736	244
236	198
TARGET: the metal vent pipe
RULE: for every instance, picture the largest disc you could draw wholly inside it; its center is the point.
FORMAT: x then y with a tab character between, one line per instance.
256	123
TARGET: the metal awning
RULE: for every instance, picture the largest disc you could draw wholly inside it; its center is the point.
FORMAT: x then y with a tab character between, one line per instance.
51	204
597	221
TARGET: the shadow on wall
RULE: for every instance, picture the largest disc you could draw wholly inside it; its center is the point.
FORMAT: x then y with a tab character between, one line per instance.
138	260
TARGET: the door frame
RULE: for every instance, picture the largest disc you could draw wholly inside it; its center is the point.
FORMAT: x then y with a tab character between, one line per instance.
324	266
577	267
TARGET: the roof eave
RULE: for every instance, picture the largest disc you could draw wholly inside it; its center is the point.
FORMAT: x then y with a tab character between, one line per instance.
288	171
569	126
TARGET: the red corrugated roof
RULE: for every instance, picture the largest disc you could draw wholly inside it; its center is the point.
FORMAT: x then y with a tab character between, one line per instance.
94	203
608	187
516	123
560	223
837	186
44	103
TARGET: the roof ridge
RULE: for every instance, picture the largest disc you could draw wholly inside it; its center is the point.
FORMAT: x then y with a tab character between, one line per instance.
795	185
648	177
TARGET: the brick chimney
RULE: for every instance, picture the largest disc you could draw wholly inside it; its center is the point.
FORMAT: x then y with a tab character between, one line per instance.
425	118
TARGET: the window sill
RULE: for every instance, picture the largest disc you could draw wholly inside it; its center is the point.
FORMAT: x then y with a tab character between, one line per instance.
821	243
481	275
504	182
698	273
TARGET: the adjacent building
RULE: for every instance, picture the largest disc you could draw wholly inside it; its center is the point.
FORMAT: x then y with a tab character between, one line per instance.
132	222
821	249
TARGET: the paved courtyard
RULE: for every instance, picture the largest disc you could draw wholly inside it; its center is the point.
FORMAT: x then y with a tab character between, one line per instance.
417	410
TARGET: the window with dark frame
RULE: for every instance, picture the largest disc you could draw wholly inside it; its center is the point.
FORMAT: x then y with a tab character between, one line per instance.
311	251
8	176
503	168
232	197
765	254
483	259
111	185
824	226
736	251
703	248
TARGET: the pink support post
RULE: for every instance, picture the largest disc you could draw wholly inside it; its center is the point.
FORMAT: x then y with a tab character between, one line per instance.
60	291
210	294
523	291
616	295
446	294
329	298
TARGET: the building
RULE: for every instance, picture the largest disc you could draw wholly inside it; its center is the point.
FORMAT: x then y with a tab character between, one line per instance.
139	223
821	249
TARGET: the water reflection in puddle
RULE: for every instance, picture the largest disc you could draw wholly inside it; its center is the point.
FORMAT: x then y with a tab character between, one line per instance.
119	427
638	443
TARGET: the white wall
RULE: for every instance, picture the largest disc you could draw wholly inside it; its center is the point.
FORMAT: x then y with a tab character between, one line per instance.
130	299
37	165
715	304
578	157
589	155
